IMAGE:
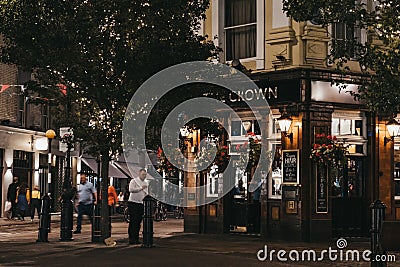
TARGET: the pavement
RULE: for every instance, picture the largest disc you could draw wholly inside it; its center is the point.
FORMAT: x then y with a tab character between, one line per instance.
172	247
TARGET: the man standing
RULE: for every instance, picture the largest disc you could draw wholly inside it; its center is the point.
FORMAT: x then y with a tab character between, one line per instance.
87	197
12	196
138	190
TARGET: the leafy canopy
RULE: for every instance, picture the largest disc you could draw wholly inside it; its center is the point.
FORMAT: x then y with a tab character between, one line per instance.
101	51
378	56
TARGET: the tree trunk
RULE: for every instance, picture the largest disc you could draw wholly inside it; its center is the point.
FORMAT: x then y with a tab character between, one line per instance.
104	211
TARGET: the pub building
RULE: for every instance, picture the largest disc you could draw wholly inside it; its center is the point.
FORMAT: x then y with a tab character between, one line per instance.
298	201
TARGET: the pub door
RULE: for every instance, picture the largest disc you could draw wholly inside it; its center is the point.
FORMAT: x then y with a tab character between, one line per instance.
349	203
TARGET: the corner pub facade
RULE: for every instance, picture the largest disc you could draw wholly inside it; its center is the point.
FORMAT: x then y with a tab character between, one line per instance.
287	61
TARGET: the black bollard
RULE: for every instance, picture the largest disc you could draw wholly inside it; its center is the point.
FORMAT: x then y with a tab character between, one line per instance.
378	215
96	224
66	219
147	223
45	220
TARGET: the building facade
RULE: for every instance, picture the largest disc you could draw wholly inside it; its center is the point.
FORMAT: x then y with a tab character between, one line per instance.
298	200
23	144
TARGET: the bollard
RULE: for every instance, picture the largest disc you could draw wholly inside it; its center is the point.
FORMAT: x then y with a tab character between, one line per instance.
45	220
378	215
66	219
147	223
96	231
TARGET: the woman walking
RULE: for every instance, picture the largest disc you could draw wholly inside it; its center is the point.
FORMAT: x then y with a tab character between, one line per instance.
23	200
35	202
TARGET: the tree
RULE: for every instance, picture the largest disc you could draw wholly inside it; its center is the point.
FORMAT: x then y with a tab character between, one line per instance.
378	57
101	51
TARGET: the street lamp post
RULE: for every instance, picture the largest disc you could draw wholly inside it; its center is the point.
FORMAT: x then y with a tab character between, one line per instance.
66	223
45	218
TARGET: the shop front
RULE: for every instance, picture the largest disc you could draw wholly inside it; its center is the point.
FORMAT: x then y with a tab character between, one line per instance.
298	199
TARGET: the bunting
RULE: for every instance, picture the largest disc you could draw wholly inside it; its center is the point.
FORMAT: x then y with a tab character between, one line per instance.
4	87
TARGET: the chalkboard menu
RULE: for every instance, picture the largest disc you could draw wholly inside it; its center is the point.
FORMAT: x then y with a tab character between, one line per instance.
321	189
290	166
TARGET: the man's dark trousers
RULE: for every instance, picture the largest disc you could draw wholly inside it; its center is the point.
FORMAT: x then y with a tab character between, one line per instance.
84	209
136	211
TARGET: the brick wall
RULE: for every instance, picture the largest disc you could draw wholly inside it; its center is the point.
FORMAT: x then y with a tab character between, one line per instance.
9	98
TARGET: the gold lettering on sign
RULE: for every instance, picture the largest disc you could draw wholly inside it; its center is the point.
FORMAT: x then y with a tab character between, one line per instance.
250	94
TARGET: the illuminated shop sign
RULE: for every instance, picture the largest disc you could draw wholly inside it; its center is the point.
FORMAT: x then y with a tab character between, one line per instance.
327	92
273	92
250	94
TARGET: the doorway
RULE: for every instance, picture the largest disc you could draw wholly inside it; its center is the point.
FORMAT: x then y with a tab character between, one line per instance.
23	167
349	203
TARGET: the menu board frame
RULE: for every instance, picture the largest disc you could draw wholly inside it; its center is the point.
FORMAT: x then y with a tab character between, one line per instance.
291	152
322	194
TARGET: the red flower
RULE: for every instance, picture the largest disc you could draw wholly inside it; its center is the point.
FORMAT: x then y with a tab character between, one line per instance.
223	154
334	138
317	135
322	135
323	145
330	146
237	147
329	137
245	144
317	154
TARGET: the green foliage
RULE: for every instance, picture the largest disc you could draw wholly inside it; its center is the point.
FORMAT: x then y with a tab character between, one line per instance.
102	51
379	56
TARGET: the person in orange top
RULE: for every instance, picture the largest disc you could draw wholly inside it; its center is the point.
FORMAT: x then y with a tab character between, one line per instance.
112	196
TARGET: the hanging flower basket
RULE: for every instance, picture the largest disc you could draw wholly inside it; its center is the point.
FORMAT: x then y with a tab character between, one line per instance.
249	152
165	166
206	157
329	151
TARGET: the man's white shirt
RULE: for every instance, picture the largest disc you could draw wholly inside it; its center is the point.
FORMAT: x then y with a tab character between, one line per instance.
136	193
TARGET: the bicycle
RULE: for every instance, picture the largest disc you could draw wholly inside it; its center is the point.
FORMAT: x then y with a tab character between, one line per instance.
122	209
178	213
161	212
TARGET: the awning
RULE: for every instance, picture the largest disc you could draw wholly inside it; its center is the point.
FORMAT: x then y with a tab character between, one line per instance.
113	171
134	168
117	169
91	163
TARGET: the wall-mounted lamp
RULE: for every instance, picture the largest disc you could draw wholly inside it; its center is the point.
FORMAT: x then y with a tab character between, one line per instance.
393	128
246	125
284	123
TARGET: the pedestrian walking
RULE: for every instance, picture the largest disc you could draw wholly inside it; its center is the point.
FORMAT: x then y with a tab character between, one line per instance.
87	197
12	196
35	202
138	189
112	198
23	200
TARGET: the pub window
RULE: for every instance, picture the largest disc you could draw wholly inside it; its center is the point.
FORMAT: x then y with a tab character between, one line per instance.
345	36
22	159
347	126
242	127
212	182
275	175
350	127
275	184
240	29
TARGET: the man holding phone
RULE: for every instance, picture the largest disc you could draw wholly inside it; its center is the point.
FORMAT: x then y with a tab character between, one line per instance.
138	189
